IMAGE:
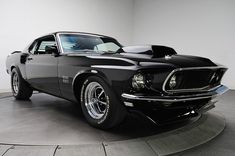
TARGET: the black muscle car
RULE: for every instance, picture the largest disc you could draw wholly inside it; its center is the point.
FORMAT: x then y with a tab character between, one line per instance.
109	80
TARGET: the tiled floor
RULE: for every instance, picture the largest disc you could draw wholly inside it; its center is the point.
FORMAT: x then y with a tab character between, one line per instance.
46	120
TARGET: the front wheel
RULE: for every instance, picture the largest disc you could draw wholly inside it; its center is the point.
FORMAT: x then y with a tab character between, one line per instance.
100	105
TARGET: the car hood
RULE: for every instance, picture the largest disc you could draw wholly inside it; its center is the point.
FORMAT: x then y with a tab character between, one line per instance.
147	56
178	61
154	54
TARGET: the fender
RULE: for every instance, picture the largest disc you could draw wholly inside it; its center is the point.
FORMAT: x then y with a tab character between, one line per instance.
90	72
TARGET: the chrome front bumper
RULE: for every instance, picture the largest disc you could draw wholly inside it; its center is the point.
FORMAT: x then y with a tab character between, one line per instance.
171	99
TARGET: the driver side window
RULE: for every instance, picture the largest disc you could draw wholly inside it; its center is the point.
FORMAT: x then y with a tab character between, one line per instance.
40	45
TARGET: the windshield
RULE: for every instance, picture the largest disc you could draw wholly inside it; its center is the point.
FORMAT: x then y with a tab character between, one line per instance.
83	43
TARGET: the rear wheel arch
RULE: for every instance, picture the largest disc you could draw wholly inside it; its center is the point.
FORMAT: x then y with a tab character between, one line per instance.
12	67
17	68
19	72
20	88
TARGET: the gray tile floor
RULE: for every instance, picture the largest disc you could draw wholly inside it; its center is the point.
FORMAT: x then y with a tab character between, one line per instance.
43	119
222	145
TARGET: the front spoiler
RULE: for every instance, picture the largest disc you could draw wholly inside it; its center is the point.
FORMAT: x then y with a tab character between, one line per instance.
211	94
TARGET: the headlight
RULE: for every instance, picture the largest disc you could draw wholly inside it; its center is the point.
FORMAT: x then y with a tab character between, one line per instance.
215	78
172	82
138	81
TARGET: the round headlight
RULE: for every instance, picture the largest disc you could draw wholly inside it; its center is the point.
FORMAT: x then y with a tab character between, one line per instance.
138	81
172	82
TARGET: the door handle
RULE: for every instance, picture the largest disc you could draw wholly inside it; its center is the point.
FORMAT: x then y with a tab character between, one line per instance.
29	58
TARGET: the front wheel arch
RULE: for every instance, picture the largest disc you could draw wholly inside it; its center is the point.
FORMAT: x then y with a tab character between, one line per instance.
79	80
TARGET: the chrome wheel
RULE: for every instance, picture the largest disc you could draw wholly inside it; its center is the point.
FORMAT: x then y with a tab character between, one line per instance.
95	100
15	83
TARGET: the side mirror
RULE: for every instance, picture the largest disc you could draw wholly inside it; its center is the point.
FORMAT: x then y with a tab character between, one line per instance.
51	50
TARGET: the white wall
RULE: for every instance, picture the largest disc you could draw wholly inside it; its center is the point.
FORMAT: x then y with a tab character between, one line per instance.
194	27
21	21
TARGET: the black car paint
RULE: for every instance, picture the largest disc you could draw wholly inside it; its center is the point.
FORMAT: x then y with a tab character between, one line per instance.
59	74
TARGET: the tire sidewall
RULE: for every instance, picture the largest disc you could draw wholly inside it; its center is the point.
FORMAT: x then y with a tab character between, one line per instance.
106	119
14	72
24	90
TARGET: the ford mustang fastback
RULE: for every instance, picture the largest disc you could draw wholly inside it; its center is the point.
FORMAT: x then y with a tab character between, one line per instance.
109	80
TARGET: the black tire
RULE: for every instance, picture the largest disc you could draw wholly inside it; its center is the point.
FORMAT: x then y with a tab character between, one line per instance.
24	91
115	112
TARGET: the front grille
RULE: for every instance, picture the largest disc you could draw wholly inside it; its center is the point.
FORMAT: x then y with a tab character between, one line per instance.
194	79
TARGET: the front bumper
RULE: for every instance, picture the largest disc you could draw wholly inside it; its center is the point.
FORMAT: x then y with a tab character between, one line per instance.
130	99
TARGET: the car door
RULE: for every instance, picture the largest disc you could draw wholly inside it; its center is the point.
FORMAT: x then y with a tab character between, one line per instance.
42	67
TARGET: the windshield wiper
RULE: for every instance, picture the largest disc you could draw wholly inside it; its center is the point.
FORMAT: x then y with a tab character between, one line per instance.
85	50
96	51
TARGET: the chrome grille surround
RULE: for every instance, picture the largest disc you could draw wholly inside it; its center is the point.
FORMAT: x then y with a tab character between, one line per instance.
205	88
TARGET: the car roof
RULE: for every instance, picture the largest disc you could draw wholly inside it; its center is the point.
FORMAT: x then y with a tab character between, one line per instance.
74	32
70	32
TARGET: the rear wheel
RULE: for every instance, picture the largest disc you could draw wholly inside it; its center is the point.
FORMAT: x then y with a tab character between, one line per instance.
99	104
20	89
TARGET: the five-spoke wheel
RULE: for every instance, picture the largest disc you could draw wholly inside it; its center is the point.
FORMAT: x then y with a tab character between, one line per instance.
15	83
100	105
95	100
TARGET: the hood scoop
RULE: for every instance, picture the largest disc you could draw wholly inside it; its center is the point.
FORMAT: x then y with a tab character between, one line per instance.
155	51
